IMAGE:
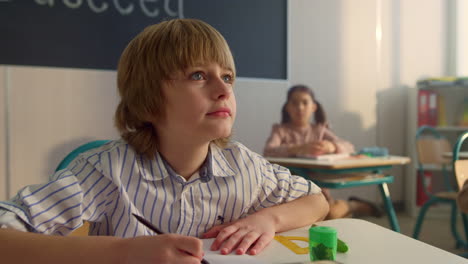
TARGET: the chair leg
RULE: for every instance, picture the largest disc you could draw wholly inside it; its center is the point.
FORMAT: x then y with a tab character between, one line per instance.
422	213
389	207
453	226
465	226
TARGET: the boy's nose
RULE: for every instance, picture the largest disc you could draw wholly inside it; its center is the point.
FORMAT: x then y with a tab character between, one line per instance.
222	90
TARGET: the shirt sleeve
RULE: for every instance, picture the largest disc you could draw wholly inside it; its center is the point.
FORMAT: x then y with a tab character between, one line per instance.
279	186
274	146
60	206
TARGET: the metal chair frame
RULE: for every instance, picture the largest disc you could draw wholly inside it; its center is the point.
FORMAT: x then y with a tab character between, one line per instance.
435	198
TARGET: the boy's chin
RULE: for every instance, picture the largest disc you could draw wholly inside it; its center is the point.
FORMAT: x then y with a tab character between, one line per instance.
223	134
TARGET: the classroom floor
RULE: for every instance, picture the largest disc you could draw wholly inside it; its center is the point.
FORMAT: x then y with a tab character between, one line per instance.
435	231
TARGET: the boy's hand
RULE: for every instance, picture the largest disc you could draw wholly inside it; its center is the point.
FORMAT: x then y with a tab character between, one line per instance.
247	235
170	248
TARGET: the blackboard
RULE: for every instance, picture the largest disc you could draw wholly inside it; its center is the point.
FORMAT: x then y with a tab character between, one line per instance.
92	34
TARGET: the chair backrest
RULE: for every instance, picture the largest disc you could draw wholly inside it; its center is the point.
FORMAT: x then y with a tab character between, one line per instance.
461	172
460	165
430	146
74	153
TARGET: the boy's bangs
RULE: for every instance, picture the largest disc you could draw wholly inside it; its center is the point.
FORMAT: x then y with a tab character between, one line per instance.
194	44
209	51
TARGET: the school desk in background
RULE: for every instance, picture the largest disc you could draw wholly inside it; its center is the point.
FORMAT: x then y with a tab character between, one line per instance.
353	171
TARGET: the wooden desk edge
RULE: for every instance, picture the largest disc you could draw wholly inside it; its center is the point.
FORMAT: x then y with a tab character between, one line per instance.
361	163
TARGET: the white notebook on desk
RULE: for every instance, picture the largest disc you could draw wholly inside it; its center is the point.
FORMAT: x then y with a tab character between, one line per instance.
327	157
214	257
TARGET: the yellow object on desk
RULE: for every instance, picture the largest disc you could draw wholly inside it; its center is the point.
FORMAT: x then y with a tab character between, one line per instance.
287	241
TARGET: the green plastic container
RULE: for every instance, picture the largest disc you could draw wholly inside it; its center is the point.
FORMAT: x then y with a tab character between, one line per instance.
322	243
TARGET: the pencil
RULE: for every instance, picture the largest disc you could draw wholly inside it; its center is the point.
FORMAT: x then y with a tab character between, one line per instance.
148	224
157	231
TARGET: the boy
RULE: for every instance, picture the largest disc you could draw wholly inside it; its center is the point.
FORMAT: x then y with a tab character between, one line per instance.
174	165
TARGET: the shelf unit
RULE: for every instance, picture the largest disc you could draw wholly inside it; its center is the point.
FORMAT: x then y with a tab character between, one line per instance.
454	97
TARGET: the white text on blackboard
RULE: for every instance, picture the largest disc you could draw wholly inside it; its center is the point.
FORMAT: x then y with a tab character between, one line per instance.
147	7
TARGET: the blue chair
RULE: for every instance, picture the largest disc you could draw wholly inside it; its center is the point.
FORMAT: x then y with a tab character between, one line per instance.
83	230
430	148
85	147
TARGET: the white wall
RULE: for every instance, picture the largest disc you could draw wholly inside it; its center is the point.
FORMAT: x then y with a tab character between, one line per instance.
333	50
462	38
51	112
259	102
422	41
363	79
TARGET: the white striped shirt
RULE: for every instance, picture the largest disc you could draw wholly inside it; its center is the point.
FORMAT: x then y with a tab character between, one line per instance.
106	185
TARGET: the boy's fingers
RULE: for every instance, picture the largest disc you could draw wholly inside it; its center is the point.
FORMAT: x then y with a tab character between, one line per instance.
188	259
261	243
233	241
191	246
247	241
212	232
224	234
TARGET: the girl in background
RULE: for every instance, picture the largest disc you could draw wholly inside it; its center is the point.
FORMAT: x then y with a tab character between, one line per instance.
297	136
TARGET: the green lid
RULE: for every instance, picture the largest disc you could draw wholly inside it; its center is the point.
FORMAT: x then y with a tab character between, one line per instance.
323	234
322	243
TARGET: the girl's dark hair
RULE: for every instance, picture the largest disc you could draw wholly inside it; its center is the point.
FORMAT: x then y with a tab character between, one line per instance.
319	115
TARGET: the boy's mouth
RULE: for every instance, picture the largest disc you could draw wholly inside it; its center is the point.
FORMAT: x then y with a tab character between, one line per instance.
220	112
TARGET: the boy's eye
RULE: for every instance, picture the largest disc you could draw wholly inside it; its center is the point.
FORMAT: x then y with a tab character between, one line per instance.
197	76
227	78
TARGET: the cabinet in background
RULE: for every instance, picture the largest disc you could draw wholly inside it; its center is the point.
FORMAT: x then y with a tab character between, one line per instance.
442	104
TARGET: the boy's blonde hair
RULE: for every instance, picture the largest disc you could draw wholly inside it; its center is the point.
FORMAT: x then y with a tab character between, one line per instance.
150	59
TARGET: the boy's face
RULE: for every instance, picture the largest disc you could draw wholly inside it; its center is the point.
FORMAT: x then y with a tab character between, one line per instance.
200	104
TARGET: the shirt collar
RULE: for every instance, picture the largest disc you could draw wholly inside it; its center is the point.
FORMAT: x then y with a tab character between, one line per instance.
215	165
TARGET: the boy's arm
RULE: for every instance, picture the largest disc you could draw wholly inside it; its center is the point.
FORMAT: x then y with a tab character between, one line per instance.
23	247
258	229
297	213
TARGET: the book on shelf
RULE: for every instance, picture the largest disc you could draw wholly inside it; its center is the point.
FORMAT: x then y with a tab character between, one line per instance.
428	112
423	106
441	112
432	109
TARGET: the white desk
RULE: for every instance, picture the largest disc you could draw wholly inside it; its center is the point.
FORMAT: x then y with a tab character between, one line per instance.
368	243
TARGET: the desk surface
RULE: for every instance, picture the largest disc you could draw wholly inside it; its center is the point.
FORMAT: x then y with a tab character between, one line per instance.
345	163
368	243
